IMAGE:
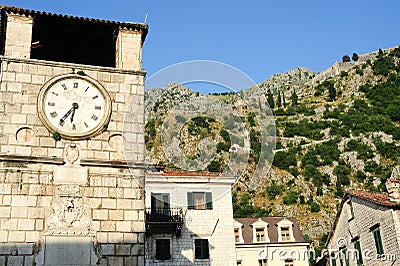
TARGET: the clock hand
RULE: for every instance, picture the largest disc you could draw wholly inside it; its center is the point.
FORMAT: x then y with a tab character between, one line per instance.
74	106
62	120
72	115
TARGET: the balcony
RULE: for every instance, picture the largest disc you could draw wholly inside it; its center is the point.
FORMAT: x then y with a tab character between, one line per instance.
164	221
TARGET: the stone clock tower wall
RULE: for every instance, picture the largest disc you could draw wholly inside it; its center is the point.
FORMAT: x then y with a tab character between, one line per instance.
70	201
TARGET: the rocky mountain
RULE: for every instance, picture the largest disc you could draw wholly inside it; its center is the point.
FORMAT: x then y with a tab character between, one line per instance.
335	130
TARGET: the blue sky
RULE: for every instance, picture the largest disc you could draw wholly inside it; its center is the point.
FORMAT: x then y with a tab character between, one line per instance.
261	38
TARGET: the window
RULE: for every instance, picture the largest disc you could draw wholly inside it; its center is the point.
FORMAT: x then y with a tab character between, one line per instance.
333	261
200	200
289	262
163	249
285	233
201	249
378	240
357	247
237	235
262	262
260	234
350	211
160	203
343	254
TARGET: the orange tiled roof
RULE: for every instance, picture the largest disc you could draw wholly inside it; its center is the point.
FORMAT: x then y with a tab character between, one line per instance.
377	198
182	173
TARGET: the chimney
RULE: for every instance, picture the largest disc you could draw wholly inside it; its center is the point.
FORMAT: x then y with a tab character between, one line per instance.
393	185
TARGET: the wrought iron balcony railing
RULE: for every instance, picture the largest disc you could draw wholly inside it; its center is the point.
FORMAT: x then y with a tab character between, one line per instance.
164	220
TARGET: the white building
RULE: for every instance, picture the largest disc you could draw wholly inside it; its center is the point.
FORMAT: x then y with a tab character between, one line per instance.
189	219
366	230
272	241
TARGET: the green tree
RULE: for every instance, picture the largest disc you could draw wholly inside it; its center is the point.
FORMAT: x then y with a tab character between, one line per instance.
270	99
279	100
355	57
294	98
283	99
332	93
346	58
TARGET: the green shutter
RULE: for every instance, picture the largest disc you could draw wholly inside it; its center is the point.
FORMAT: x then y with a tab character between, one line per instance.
357	247
209	203
190	200
333	262
378	241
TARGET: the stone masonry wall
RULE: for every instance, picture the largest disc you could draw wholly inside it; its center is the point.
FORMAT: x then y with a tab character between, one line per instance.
366	215
111	203
18	37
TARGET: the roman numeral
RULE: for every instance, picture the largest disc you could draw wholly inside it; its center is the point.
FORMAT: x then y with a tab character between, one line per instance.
62	123
56	94
97	107
53	114
64	86
86	89
86	125
94	117
51	103
95	97
73	127
75	85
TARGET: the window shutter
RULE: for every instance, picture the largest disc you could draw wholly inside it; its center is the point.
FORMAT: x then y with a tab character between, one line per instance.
190	200
165	199
197	248
206	252
209	203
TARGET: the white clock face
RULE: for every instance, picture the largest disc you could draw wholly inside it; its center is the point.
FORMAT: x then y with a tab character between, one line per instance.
75	106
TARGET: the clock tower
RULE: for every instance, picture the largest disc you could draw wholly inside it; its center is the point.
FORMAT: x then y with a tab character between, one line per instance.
71	140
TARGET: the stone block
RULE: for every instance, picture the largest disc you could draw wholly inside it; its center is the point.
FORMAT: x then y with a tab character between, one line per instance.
15	260
26	224
25	249
123	226
100	215
115	261
19	212
107	226
5	212
3	236
32	237
130	238
115	237
108	249
116	215
16	236
131	215
123	250
109	203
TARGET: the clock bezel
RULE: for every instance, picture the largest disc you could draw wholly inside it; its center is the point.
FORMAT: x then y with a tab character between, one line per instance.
101	124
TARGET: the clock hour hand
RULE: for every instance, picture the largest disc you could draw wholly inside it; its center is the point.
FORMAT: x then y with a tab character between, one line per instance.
74	106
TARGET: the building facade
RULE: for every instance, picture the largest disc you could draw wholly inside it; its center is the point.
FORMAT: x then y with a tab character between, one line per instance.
272	241
366	230
189	219
67	195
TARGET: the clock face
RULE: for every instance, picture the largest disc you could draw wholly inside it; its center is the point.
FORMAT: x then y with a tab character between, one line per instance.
77	107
